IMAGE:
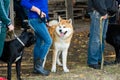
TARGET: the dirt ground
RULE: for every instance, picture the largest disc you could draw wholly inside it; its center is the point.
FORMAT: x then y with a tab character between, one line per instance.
77	57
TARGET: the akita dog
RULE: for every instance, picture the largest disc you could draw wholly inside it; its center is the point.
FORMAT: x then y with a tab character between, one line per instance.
61	32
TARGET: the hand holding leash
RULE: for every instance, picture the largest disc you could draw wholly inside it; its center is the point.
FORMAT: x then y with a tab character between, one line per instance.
104	17
42	14
11	27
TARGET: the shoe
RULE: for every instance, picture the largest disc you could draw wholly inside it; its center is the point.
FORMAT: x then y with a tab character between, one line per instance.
94	66
105	63
115	62
38	68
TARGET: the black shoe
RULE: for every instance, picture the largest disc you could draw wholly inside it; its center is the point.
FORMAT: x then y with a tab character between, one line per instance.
115	62
94	66
105	63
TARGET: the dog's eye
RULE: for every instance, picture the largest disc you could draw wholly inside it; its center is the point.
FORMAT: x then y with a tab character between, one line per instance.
63	26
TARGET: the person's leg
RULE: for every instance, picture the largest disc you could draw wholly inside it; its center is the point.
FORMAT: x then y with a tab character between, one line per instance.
44	37
37	48
94	39
21	14
2	37
42	45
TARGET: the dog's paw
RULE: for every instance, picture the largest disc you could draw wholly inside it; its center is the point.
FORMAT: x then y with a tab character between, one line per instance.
59	64
53	70
66	70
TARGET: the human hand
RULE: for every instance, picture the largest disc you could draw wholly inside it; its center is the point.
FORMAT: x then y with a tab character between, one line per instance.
11	27
105	16
38	11
42	14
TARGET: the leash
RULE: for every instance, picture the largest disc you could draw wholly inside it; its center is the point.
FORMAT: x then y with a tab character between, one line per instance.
18	38
101	31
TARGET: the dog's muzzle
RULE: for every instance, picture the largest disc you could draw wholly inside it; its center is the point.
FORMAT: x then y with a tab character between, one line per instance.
62	33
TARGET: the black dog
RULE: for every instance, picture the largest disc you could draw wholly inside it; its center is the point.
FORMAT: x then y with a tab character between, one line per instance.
113	38
13	51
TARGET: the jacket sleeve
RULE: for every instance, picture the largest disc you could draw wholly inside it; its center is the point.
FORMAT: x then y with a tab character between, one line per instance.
3	14
26	4
100	6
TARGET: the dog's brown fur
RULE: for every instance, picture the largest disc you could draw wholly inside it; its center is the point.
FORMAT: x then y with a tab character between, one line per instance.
60	43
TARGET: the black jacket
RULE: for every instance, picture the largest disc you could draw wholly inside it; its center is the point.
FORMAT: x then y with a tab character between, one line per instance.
99	5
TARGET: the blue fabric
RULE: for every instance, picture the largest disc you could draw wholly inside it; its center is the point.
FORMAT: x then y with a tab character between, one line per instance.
44	40
4	11
41	4
4	20
95	48
2	37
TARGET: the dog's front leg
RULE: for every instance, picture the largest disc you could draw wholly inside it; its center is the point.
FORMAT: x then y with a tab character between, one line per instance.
9	64
53	69
117	51
58	58
18	69
64	60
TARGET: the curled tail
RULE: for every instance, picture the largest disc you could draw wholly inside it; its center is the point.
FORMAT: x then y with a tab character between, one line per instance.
53	22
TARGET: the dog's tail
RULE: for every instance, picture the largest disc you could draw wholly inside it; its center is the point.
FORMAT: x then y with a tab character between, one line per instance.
53	22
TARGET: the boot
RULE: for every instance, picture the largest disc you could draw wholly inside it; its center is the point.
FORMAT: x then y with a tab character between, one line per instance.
38	68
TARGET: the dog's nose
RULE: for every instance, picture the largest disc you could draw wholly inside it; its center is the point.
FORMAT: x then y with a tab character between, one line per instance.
60	30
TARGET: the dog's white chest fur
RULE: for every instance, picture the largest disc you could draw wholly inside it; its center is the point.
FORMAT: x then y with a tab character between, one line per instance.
19	57
61	45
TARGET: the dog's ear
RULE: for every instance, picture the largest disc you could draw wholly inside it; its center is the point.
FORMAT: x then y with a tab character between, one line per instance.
70	21
59	18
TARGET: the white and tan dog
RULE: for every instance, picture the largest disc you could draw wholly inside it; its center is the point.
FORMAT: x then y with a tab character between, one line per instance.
61	32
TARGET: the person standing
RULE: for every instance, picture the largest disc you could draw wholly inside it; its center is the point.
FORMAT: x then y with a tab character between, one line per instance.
37	16
5	22
97	10
21	14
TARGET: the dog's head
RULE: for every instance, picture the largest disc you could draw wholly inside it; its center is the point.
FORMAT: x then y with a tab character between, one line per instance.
64	28
28	38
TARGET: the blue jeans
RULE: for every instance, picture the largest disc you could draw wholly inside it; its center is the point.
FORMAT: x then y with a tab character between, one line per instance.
95	48
43	41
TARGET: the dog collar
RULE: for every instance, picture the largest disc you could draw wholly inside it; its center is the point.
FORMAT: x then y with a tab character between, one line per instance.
18	39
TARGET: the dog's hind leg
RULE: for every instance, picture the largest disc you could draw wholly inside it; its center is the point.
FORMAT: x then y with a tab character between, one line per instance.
9	64
53	69
117	51
18	69
44	62
58	58
64	60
